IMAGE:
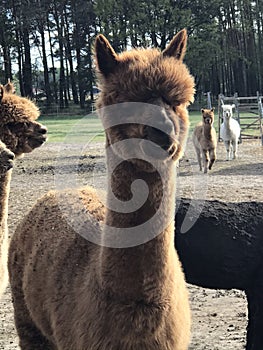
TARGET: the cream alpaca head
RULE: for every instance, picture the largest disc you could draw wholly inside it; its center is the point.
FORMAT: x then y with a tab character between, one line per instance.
227	111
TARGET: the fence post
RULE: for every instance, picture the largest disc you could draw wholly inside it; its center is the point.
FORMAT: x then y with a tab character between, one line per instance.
260	110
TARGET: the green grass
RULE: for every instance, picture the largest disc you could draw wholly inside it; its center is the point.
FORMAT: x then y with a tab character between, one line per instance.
76	129
73	129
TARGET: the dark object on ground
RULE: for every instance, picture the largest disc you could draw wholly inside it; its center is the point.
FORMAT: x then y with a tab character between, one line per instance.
224	250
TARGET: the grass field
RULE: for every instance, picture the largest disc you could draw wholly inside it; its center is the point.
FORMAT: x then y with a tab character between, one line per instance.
73	129
76	129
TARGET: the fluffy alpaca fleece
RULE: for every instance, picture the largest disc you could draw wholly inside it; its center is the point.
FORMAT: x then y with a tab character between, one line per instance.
230	131
205	140
72	294
6	163
20	133
19	130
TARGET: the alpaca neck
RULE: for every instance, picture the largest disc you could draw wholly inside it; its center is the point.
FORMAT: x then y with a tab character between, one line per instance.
131	273
208	131
227	122
4	194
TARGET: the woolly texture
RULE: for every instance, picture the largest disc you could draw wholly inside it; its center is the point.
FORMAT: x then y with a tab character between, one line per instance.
95	296
19	129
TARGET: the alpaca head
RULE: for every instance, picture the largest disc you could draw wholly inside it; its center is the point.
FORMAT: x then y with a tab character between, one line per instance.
6	159
148	92
9	87
227	111
19	129
208	116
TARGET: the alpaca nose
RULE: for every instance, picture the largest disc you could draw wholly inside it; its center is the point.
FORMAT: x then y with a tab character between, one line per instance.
43	130
159	137
165	126
11	156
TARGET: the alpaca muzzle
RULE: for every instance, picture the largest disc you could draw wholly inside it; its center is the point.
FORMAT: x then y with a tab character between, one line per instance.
227	114
6	159
208	120
38	136
162	145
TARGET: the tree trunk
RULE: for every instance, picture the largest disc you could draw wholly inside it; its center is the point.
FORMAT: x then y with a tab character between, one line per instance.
46	75
70	61
27	66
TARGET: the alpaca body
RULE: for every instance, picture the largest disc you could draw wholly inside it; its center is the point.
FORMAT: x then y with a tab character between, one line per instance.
96	296
205	140
222	253
230	132
20	133
128	307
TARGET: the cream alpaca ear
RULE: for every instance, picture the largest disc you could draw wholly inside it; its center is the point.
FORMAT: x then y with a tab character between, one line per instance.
107	59
177	46
1	92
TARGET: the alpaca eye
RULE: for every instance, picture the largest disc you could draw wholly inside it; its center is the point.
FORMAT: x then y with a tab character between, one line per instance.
166	101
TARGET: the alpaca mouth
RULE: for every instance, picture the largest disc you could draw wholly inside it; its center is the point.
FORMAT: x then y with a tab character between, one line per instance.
156	151
158	144
37	141
9	165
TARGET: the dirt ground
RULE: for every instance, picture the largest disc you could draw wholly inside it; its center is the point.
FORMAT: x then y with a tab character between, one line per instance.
219	316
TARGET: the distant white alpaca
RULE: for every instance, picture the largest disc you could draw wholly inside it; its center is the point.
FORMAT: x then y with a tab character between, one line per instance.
230	131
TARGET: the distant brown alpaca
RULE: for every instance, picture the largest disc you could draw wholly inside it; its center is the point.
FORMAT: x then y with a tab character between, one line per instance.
205	141
70	293
9	87
21	134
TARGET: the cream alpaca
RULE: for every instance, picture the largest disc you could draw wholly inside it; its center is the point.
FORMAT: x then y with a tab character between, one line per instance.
72	294
230	131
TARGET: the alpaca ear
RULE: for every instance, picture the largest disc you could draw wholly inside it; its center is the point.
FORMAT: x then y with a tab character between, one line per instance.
1	92
233	105
202	110
107	59
177	46
212	109
9	87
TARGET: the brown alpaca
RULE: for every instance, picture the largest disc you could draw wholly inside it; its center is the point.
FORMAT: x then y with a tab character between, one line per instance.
72	294
205	141
21	134
19	130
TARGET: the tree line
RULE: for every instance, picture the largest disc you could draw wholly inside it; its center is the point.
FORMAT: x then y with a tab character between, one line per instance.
47	44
